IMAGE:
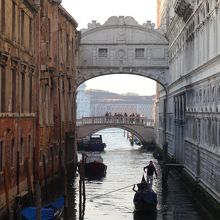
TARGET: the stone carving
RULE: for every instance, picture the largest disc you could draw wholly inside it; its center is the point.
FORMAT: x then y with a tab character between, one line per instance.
31	70
3	58
121	20
23	67
121	53
149	25
14	63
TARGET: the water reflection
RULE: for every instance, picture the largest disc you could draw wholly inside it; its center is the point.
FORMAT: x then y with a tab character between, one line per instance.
145	216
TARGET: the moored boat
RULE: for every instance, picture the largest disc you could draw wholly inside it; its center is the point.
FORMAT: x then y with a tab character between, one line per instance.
94	166
91	143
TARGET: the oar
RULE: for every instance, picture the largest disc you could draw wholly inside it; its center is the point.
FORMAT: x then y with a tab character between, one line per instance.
110	192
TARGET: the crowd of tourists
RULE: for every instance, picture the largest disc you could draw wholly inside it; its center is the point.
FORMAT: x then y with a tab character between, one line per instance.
120	117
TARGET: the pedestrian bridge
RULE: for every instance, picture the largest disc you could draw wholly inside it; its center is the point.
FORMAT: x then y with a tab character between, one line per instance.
141	127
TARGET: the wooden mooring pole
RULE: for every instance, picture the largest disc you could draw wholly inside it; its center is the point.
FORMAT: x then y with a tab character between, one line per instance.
82	194
38	200
45	177
6	184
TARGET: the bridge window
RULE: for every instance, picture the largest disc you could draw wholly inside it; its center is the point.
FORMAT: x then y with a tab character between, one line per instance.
103	52
139	52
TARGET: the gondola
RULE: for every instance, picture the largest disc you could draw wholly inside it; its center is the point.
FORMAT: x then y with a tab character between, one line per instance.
145	200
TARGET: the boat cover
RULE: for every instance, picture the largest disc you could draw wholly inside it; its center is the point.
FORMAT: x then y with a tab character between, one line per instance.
57	204
29	213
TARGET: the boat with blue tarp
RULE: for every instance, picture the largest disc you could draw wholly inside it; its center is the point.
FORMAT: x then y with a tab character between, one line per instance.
51	211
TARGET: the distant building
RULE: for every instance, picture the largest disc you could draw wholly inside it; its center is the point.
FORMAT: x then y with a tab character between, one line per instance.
83	102
102	102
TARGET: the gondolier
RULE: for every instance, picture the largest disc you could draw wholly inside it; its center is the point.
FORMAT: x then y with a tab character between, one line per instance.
150	172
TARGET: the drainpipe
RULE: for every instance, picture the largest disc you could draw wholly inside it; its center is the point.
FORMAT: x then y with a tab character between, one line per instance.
36	154
165	144
59	98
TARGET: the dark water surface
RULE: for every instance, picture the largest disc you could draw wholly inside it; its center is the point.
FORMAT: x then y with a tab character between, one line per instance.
124	168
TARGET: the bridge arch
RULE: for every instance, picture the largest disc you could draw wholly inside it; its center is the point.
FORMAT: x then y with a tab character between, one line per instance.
143	129
122	46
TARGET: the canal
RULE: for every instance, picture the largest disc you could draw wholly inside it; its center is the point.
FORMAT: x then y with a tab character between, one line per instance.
124	168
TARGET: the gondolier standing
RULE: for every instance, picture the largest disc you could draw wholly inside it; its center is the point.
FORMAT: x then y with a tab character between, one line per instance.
150	172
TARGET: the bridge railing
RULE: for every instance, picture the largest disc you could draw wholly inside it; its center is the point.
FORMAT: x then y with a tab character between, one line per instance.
115	120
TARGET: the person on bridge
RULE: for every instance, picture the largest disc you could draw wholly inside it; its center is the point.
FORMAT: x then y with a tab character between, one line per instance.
150	172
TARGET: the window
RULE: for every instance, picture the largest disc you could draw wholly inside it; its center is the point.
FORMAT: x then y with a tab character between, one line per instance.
22	27
14	21
48	37
139	52
30	33
14	88
12	152
22	91
29	147
3	16
30	92
21	150
2	89
103	52
1	156
67	49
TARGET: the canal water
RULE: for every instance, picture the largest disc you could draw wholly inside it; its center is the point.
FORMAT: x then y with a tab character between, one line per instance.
111	198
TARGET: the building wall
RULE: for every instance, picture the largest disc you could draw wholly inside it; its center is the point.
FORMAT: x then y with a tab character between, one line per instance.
193	119
38	57
17	89
59	42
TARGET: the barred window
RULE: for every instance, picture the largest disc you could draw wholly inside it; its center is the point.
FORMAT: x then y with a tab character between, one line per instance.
12	152
103	52
1	156
139	52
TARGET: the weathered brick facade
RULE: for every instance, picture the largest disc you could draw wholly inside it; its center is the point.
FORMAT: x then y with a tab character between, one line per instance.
38	56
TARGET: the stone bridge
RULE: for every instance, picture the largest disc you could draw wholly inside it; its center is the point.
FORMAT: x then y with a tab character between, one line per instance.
122	46
142	128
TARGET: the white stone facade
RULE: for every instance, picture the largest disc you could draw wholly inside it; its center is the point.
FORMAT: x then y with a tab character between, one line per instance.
145	110
83	102
193	99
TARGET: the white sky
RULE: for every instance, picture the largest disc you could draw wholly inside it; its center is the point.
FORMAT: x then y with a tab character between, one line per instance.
84	11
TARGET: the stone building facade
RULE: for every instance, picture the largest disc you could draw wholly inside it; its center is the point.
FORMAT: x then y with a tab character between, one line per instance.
83	102
193	97
38	55
102	102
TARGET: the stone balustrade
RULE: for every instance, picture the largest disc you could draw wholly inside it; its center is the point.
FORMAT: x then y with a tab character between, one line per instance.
116	120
